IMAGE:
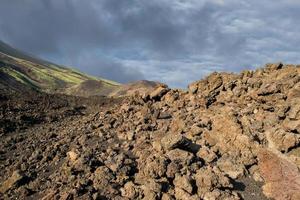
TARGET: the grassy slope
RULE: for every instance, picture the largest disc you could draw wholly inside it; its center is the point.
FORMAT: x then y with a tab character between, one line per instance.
19	77
43	75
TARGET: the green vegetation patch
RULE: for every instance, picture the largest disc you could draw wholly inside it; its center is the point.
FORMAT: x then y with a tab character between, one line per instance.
88	77
20	77
51	78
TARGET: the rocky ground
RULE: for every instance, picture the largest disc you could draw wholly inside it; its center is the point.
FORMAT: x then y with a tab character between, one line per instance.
230	136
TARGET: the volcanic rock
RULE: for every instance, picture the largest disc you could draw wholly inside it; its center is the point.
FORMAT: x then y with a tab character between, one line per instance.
158	93
208	178
183	182
180	156
12	181
129	190
282	140
172	141
282	177
223	139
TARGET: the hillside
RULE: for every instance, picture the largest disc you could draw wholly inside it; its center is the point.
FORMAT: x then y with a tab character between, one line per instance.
20	71
230	136
142	87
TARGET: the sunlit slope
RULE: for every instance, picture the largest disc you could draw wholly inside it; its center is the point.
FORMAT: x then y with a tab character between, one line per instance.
44	76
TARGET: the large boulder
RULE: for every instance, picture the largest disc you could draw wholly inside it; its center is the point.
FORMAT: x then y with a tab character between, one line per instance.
282	140
180	156
159	92
130	190
172	141
184	182
208	179
102	178
281	176
154	166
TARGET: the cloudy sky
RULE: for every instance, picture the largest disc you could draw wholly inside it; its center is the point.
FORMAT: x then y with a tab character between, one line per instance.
172	41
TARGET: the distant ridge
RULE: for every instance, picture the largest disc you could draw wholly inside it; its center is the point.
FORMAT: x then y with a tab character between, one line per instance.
8	50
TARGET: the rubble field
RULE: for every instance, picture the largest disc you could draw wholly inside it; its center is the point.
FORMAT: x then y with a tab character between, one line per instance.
229	136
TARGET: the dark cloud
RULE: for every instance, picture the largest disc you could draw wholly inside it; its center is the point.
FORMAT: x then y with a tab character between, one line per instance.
105	67
173	41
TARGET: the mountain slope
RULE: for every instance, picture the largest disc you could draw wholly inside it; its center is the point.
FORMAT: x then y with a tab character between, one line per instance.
19	71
